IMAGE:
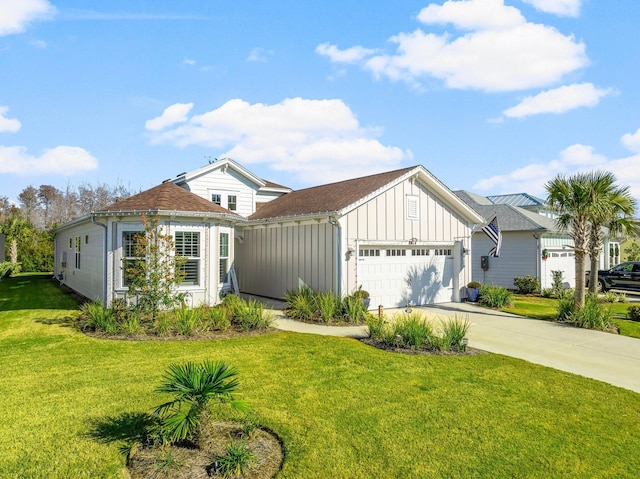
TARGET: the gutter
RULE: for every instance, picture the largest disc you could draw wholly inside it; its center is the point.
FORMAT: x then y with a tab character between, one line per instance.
336	223
105	265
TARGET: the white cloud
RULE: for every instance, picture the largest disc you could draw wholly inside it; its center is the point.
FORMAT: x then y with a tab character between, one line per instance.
499	51
632	141
15	15
574	159
176	113
189	61
259	55
315	140
10	125
61	160
564	8
558	100
349	55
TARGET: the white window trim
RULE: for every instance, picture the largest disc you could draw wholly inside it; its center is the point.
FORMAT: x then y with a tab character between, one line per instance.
413	207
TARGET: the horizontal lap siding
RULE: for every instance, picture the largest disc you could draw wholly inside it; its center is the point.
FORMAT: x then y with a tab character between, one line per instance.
274	259
518	257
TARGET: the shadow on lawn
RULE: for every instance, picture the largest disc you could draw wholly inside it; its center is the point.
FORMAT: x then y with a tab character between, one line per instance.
128	429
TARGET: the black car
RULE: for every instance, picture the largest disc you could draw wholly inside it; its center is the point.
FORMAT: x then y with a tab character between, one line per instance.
623	276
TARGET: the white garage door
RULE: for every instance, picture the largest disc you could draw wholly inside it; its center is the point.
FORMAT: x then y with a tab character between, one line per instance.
564	261
395	275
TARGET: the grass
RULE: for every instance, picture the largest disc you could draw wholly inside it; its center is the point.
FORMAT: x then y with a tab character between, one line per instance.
342	409
546	308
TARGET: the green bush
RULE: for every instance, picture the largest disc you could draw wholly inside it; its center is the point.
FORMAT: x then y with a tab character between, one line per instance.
97	317
495	296
414	330
557	278
474	285
237	461
250	315
453	332
593	315
354	309
566	305
327	305
301	304
9	269
633	313
188	320
217	319
526	284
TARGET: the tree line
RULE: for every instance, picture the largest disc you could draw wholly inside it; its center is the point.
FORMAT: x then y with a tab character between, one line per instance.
28	225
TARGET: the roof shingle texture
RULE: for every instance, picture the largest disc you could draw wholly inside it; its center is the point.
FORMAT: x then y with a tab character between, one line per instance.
326	198
167	197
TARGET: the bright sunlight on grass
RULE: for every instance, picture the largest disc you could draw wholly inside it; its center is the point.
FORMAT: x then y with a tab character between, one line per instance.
343	409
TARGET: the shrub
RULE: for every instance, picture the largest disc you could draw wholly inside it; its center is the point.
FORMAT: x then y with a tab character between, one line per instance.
327	305
593	315
526	284
548	293
193	387
633	313
556	282
354	309
217	319
453	332
414	330
376	325
131	323
188	320
98	317
495	296
474	284
300	304
566	305
8	269
237	461
163	324
249	315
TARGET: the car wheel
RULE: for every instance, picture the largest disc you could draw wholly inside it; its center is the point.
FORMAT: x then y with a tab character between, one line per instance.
602	286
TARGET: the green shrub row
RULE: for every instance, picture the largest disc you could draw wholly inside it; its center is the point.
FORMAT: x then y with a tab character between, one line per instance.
233	313
412	330
304	304
526	284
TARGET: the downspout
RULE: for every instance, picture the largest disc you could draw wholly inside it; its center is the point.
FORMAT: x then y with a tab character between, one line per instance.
336	223
104	254
538	258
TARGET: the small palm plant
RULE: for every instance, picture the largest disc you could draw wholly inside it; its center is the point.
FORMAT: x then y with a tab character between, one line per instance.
194	386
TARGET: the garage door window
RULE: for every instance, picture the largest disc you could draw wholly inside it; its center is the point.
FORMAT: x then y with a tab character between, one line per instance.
396	252
442	252
369	252
420	252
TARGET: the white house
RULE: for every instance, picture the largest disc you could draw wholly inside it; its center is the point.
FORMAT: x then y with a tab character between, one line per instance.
90	251
532	244
401	235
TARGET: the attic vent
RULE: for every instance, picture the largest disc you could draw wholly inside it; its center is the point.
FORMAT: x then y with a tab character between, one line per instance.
412	208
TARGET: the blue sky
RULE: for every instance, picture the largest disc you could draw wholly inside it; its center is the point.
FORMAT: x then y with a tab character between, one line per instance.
491	96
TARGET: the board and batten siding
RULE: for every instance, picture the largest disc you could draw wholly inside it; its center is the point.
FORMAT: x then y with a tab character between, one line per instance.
273	259
227	183
518	257
385	219
88	278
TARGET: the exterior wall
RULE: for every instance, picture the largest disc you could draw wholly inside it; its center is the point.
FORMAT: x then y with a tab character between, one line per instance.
518	257
384	219
226	183
273	259
87	276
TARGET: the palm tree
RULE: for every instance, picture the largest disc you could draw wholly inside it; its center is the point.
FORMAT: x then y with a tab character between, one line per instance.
571	198
194	386
613	208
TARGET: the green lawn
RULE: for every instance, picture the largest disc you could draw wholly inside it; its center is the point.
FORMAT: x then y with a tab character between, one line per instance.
342	409
546	308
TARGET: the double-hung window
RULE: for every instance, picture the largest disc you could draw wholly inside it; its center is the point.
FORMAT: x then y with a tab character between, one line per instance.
224	257
188	245
129	258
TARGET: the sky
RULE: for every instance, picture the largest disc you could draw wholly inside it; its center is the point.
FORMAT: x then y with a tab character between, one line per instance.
491	96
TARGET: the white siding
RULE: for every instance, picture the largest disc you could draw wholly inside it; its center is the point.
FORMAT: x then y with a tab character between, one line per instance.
518	257
384	219
274	259
88	278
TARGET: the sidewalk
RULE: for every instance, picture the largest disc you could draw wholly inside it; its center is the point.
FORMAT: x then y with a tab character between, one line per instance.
603	356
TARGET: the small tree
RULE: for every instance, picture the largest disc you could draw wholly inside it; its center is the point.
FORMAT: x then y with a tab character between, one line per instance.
156	272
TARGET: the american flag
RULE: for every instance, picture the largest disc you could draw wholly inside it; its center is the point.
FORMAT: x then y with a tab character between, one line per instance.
493	232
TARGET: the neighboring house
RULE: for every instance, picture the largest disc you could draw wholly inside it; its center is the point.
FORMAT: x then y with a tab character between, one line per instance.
90	251
532	244
400	235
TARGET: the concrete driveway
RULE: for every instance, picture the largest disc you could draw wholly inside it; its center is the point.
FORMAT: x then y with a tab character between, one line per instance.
607	357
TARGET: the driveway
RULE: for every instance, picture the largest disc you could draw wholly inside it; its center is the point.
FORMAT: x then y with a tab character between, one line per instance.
607	357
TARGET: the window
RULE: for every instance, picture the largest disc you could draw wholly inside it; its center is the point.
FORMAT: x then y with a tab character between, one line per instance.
216	198
369	252
442	252
224	257
232	202
396	252
188	245
412	208
78	244
86	239
129	258
420	252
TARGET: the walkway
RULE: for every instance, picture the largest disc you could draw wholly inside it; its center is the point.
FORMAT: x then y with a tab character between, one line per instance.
607	357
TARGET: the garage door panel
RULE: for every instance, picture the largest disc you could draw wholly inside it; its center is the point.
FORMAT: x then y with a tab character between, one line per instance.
392	281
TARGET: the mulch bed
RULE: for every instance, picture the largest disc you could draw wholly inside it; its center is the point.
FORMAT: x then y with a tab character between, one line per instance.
197	461
422	351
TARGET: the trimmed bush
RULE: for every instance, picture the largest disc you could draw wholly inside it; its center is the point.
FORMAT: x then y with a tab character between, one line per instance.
633	313
526	284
